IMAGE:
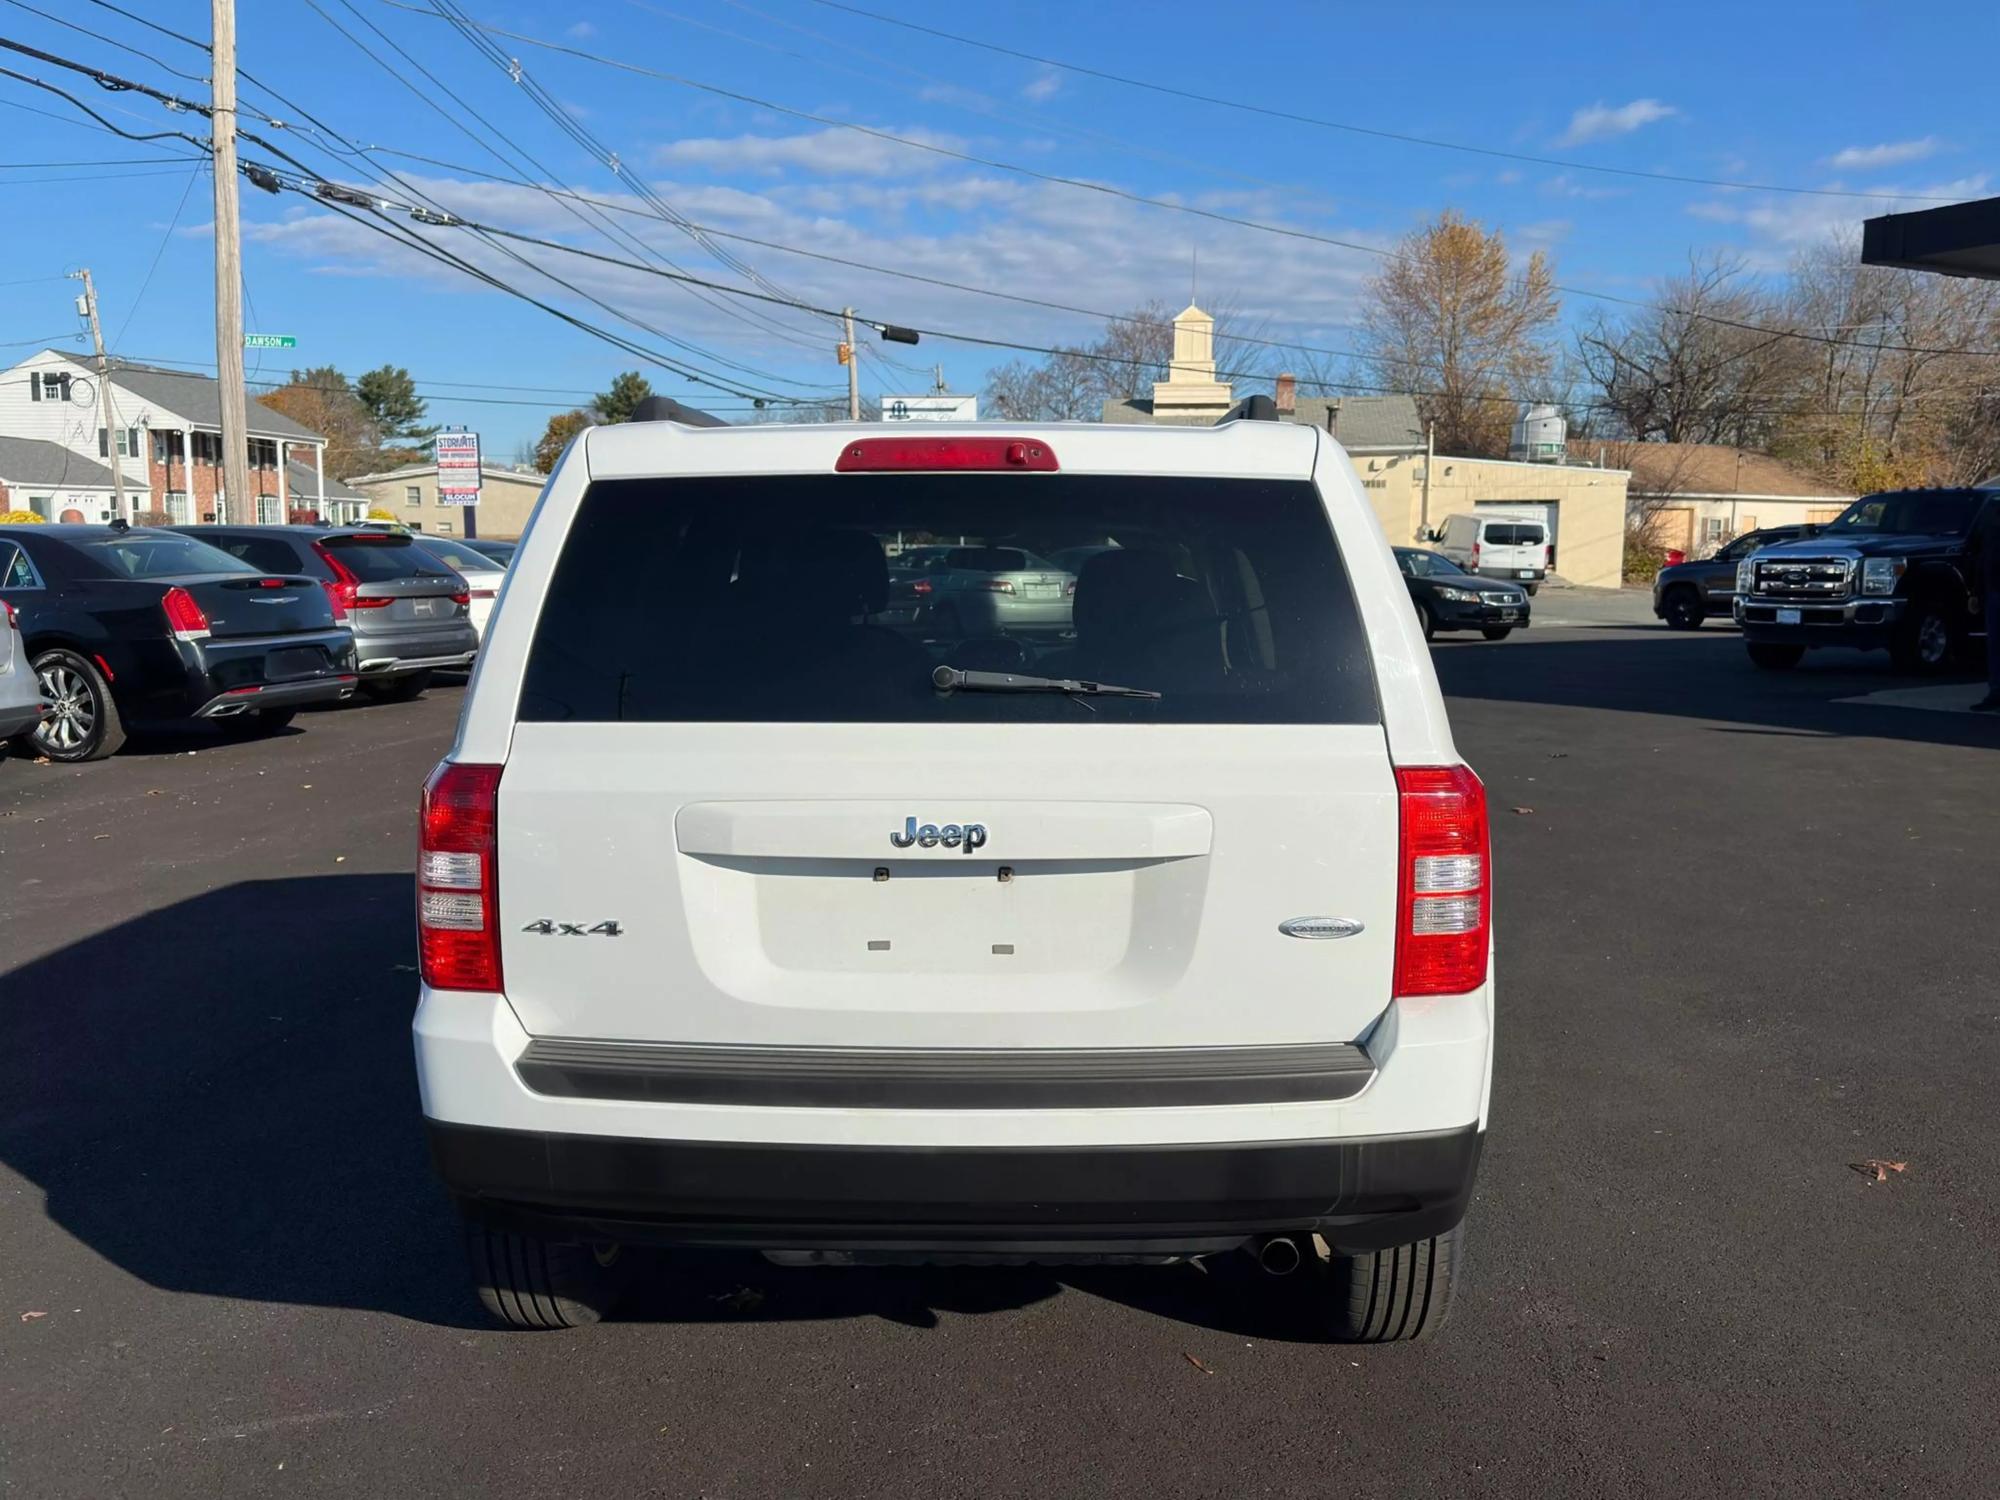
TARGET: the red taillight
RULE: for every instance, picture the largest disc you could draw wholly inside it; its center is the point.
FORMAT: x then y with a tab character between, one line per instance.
921	586
998	586
184	617
886	455
336	598
13	615
1475	554
463	596
458	893
1548	554
1444	887
270	583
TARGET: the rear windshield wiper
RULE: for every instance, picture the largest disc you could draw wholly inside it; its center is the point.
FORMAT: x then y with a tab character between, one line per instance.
946	679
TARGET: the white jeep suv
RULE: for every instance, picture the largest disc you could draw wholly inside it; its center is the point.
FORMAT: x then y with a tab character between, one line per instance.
759	908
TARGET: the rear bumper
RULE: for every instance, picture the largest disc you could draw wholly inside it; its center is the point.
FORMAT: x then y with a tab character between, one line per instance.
20	718
278	695
385	653
1511	575
1359	1194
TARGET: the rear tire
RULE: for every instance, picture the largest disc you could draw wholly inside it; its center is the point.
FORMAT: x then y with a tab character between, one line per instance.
1390	1296
1928	639
525	1282
404	689
1775	656
85	724
1430	620
1497	632
1532	588
1682	609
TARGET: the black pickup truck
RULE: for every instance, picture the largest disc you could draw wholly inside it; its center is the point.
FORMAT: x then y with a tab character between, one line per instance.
1898	571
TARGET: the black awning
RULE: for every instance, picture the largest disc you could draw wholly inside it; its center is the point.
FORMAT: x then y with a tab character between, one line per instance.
1961	239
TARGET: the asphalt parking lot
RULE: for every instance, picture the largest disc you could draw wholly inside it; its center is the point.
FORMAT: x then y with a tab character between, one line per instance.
1749	931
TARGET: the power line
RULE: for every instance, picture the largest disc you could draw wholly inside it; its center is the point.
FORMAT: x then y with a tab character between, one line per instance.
520	153
1283	230
113	81
565	121
1366	130
955	336
165	239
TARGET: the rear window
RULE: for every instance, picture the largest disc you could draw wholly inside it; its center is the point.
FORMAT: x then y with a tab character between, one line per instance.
1512	534
383	559
460	559
147	554
780	599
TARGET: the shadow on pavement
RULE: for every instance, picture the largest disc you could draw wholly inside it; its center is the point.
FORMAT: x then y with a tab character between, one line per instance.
218	1098
1707	677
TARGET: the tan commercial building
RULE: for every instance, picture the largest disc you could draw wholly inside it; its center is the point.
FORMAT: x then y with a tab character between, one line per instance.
1693	497
1582	507
410	495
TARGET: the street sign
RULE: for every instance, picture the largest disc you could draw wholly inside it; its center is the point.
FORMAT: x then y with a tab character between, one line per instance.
930	408
458	467
269	341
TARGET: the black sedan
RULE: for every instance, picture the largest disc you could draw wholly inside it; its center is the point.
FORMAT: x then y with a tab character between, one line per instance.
126	624
1449	598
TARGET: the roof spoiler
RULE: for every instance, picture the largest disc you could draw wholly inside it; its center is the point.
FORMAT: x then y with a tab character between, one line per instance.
1251	409
666	409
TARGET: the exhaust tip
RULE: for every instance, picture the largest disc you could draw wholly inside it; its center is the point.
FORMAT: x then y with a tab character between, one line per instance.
1279	1256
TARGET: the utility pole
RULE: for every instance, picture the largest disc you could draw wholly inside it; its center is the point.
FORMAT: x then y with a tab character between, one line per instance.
849	356
1430	458
110	416
240	504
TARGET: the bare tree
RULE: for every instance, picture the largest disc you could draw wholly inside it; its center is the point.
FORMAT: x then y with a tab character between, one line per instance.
1897	393
1694	366
1448	321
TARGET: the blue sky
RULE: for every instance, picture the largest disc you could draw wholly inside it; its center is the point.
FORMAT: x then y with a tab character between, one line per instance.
1825	96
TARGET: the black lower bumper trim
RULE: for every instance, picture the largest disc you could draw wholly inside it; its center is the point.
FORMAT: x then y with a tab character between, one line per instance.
955	1078
1359	1194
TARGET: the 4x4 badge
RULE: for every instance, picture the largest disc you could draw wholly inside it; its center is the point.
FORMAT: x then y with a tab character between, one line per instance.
546	928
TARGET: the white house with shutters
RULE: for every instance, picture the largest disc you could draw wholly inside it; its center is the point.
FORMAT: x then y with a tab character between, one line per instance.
166	442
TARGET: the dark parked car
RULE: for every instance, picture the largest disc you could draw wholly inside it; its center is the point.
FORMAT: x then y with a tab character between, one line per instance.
1687	593
127	624
501	552
410	614
1449	598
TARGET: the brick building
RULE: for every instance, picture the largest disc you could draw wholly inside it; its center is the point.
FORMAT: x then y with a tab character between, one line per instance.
167	444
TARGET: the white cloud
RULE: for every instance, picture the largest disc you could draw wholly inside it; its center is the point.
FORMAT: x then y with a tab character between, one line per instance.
582	31
833	152
1044	87
1601	121
1544	232
1565	186
1776	227
1889	154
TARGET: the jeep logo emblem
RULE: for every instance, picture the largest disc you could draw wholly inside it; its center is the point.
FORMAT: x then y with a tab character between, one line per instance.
966	836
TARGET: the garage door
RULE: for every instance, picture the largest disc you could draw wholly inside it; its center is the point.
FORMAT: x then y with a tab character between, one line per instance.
1548	512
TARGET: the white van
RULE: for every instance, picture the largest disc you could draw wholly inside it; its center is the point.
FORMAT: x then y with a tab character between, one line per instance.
1497	546
756	912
